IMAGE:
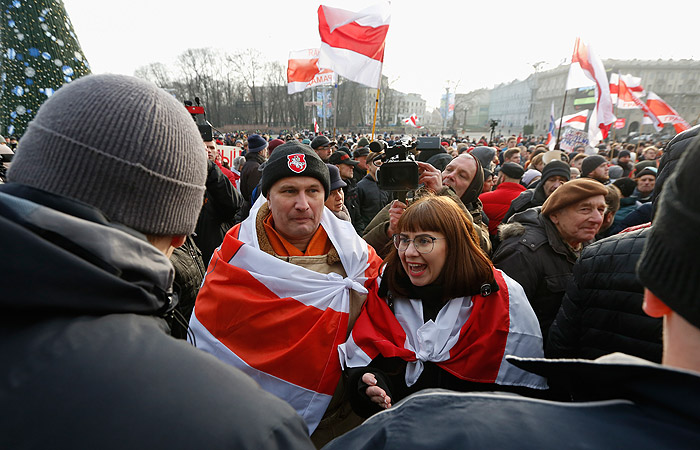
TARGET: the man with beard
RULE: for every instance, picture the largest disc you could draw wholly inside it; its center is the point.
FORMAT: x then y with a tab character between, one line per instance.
597	168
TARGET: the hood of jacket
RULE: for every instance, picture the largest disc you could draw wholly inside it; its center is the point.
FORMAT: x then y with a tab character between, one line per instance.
61	256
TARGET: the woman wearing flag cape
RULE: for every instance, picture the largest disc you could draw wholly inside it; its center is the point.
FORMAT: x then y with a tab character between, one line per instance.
440	316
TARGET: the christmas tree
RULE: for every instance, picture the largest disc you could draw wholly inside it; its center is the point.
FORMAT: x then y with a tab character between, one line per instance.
40	53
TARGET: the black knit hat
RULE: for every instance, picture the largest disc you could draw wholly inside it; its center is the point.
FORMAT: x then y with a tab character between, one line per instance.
294	159
590	163
556	168
668	265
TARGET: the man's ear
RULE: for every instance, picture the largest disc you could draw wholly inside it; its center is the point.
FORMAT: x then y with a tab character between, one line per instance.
177	241
654	306
554	218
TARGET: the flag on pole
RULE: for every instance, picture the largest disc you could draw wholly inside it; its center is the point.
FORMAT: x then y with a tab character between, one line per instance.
576	121
551	140
412	121
630	97
585	61
303	71
665	113
352	43
634	85
315	126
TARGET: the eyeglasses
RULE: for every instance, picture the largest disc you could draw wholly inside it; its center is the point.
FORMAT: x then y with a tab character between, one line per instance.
423	243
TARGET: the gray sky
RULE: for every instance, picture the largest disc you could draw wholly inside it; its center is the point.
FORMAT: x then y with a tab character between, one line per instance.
431	43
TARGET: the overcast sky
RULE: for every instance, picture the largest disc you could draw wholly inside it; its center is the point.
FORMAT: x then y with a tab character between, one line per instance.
431	44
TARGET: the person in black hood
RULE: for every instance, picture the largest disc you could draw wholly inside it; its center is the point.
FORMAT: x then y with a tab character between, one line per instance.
108	180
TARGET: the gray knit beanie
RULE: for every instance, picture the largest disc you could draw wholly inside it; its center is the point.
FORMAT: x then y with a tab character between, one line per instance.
122	145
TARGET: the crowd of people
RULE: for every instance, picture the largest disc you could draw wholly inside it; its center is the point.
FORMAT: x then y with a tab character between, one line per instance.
158	295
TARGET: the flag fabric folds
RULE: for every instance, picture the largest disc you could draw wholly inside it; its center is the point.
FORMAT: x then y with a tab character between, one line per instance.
576	120
585	61
551	140
470	337
412	121
632	84
665	113
281	323
303	71
352	43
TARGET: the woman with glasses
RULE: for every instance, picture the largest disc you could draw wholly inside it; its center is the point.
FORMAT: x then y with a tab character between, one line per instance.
440	316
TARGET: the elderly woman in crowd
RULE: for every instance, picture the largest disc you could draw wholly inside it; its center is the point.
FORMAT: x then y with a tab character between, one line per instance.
336	199
440	316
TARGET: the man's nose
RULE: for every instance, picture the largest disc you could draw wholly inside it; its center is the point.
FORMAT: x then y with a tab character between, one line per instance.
302	202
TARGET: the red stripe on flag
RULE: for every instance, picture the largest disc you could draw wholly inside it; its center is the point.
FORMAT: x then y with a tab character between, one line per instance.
365	40
268	332
301	70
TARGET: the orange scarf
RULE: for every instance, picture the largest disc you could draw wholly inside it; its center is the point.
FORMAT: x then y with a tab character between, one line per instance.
318	245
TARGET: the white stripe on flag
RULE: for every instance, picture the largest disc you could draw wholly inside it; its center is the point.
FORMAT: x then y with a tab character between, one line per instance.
309	404
521	341
351	65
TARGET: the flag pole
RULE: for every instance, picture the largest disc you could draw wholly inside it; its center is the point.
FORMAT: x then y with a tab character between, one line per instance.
561	121
617	103
335	108
376	101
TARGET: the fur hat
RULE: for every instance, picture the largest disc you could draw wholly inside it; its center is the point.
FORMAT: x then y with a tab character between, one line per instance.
256	143
590	163
572	192
122	145
294	159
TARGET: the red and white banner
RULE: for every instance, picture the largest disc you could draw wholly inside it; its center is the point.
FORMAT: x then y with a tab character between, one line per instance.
577	120
633	86
470	337
665	113
315	126
620	124
303	71
279	322
412	121
584	61
353	42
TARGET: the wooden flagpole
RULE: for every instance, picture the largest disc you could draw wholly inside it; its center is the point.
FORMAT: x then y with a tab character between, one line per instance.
376	101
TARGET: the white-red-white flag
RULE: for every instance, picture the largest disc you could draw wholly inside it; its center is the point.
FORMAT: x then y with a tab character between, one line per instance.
585	61
352	43
412	121
633	84
577	120
315	126
666	113
634	100
303	71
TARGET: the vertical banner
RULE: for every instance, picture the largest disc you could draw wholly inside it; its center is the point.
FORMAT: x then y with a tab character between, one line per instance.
325	107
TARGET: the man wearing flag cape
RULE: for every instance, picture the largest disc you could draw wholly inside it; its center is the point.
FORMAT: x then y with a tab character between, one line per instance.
284	290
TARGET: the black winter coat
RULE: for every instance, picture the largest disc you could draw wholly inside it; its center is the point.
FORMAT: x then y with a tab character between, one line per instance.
189	273
86	359
527	199
534	255
371	200
601	311
221	203
250	178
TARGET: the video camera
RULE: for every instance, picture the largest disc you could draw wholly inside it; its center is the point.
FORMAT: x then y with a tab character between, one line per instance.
200	118
399	171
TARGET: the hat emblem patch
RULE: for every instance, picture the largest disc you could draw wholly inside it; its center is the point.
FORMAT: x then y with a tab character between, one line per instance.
296	162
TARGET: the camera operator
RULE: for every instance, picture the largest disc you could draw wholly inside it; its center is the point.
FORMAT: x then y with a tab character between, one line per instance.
462	180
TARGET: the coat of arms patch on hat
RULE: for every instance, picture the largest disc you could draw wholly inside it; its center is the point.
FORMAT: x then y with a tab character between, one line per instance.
296	162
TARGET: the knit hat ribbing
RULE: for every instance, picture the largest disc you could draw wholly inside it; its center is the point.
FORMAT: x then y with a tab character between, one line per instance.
556	168
294	159
668	265
590	163
256	143
122	145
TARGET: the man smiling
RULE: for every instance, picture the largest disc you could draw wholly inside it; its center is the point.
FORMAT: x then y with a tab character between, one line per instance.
539	248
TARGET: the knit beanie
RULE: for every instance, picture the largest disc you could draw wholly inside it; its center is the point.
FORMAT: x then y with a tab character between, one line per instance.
120	144
256	143
484	155
590	163
668	266
571	193
274	144
556	168
363	142
294	159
